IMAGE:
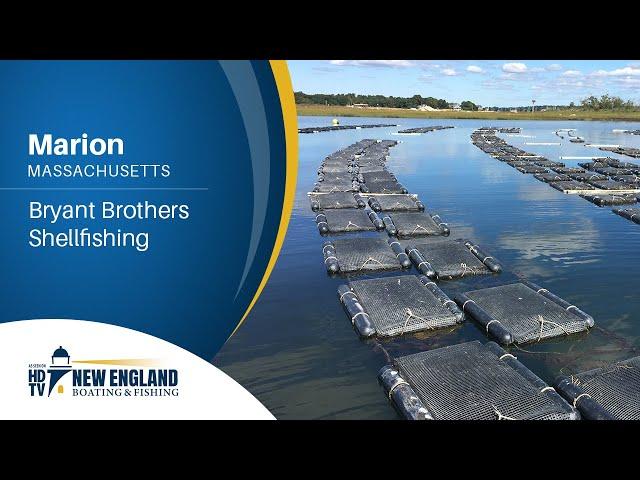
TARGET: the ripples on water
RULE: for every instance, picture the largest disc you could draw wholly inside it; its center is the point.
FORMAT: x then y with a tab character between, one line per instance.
297	352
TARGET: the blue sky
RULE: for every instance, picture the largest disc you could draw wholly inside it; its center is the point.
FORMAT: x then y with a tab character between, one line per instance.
486	82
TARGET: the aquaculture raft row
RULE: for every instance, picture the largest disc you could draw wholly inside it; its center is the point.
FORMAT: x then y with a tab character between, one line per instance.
628	151
610	393
347	170
423	129
470	381
613	199
523	312
360	167
342	127
579	182
632	214
397	305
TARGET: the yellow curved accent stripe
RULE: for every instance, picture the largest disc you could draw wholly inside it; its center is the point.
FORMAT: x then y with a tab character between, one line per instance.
290	119
134	362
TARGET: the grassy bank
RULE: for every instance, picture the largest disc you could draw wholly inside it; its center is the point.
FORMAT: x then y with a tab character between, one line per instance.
336	111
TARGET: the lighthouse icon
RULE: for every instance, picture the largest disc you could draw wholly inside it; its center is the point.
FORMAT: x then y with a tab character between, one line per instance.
60	366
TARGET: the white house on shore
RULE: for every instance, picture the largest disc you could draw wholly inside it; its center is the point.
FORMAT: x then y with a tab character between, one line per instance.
455	106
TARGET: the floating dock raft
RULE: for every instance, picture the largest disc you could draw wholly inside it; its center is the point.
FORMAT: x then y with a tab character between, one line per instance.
335	128
395	203
364	255
523	312
470	381
447	260
414	224
392	306
610	393
342	221
326	201
632	214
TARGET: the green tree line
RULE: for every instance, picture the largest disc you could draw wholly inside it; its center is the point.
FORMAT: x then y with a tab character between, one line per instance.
343	99
607	102
604	102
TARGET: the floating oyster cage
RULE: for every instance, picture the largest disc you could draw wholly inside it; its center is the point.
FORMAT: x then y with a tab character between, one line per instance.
342	186
347	220
391	306
612	199
632	214
452	259
470	381
523	312
608	393
552	177
383	186
414	224
364	255
394	202
574	187
325	201
334	128
420	130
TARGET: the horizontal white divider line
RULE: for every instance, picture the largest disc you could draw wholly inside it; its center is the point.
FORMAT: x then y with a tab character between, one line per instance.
577	158
542	143
601	145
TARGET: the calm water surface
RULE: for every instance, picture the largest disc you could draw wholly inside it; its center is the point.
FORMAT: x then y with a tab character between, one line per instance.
297	352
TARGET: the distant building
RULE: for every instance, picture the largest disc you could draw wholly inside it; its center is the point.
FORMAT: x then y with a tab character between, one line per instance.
426	108
455	106
360	105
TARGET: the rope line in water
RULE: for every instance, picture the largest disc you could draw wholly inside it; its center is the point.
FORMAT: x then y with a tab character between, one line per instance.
542	322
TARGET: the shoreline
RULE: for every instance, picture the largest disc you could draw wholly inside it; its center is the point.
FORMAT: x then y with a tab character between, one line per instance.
570	115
